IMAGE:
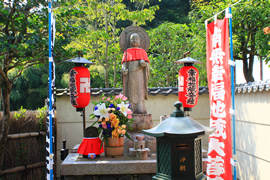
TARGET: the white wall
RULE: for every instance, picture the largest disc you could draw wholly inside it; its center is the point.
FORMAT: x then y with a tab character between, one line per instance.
252	133
252	127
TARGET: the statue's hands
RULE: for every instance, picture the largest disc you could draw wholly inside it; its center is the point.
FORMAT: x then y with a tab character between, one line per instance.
142	63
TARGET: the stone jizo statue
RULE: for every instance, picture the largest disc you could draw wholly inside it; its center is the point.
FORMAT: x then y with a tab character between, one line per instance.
135	68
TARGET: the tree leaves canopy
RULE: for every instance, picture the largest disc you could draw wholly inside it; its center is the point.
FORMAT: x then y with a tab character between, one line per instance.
249	19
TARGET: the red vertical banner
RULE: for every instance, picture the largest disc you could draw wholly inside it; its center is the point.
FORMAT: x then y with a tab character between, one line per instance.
219	85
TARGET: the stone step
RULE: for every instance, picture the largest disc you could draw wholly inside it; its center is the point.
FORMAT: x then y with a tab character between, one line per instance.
204	153
204	160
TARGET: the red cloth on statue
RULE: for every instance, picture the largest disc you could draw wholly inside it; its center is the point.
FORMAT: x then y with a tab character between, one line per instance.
135	54
90	145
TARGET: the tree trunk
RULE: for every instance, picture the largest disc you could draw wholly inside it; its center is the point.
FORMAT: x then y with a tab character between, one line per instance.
106	77
114	72
6	89
249	60
247	69
106	50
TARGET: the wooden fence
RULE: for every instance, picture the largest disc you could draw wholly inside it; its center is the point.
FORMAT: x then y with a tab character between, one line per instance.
25	154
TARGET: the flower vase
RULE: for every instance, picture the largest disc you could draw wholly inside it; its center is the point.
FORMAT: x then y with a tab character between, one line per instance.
115	147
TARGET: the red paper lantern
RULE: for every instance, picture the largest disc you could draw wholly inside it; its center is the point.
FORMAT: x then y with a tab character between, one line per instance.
79	86
188	86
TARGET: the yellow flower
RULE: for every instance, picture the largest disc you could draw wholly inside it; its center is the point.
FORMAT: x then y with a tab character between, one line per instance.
124	126
115	122
99	120
112	116
115	134
106	119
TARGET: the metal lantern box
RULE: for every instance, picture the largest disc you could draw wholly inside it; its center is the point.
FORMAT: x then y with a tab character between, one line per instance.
179	146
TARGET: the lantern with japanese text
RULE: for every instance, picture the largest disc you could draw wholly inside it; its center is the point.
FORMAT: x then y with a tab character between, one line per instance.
79	83
188	83
79	86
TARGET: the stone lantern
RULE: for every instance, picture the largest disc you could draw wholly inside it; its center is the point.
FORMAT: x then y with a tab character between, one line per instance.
179	146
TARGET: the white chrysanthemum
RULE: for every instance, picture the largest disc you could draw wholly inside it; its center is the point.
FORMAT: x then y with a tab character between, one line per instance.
123	108
101	111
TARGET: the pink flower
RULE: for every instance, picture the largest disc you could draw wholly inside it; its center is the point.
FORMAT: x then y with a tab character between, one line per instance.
129	112
121	96
104	125
129	117
106	99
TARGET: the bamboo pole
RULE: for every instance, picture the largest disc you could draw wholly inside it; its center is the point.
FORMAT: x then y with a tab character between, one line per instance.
25	135
22	168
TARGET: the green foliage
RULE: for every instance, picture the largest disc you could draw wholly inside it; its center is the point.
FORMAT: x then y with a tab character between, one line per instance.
97	76
249	19
169	42
24	44
172	11
99	38
42	112
175	11
23	33
198	50
20	114
30	89
65	80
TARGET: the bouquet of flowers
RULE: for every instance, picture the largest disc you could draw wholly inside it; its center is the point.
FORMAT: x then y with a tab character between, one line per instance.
113	116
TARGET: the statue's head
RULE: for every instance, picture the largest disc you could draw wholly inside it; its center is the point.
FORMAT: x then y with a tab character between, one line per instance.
134	40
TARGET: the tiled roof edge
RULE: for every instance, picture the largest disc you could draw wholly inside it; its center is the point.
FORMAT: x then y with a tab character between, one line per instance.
115	91
239	88
253	86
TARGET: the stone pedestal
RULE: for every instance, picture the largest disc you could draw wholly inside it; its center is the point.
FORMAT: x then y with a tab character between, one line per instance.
76	167
139	151
141	121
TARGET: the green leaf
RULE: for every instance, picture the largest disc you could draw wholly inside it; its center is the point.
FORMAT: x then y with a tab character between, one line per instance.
92	116
128	136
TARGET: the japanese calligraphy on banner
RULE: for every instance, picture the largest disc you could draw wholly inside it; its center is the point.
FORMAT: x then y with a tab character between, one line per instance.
218	74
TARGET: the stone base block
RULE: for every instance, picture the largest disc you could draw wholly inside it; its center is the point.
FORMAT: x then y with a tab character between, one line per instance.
76	165
150	142
132	152
141	121
139	144
142	154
